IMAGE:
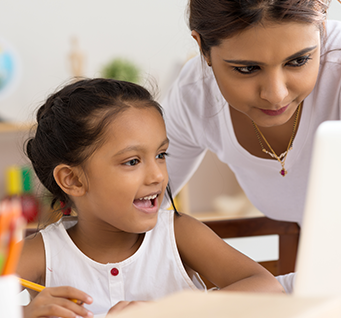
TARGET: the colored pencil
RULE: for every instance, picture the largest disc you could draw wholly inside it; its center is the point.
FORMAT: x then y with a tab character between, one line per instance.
15	225
30	285
3	237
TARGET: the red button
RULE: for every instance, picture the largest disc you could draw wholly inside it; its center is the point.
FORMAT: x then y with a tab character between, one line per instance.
114	271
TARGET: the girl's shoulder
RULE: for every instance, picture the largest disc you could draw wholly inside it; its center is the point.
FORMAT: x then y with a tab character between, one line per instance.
32	261
187	228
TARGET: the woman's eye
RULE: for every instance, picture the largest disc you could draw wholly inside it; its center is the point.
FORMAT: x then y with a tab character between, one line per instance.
300	61
132	162
162	155
246	69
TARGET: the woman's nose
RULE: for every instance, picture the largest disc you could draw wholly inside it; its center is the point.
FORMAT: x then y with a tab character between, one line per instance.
274	88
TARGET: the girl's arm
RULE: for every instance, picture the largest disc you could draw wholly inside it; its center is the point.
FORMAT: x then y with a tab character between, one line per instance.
32	261
53	301
206	253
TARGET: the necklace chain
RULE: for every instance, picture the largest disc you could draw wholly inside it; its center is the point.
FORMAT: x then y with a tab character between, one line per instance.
282	157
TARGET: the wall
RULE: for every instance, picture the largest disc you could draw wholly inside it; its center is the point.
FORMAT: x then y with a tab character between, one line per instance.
152	33
334	12
11	145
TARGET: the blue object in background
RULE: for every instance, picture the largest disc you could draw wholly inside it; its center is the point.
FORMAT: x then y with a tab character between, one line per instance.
9	67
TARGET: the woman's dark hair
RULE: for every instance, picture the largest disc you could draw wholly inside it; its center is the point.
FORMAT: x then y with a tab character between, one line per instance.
71	125
216	20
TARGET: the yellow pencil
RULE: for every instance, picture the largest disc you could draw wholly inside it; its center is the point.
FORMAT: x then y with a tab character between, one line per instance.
31	285
39	288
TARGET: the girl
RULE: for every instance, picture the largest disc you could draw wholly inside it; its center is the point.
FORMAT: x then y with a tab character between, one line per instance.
269	74
100	147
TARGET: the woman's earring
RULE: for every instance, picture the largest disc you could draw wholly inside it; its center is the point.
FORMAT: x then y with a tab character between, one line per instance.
209	63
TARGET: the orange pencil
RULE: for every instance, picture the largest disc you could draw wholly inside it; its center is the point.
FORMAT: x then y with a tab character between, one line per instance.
5	216
4	235
39	288
14	248
16	227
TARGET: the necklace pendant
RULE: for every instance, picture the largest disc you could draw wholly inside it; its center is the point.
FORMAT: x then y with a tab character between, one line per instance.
283	172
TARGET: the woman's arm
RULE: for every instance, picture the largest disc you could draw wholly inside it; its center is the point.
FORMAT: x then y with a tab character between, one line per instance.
185	155
182	108
206	253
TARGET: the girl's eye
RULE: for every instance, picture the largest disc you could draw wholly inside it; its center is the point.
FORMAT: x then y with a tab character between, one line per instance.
300	61
246	69
132	162
162	155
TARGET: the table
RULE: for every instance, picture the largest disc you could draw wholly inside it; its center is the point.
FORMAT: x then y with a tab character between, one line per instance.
236	305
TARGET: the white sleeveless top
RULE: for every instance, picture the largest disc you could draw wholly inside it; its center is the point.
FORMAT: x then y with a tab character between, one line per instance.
154	271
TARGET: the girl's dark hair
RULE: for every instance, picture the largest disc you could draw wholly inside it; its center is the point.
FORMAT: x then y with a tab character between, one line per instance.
216	20
72	122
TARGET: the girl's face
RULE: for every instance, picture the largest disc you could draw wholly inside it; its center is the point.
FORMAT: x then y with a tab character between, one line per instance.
127	176
266	71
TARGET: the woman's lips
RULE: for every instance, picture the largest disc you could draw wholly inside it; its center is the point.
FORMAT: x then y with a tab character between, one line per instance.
274	112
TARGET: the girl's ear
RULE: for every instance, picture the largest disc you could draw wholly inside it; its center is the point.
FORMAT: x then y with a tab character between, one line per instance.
70	179
196	37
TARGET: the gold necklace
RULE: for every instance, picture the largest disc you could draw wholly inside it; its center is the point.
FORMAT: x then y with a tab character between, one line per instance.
282	157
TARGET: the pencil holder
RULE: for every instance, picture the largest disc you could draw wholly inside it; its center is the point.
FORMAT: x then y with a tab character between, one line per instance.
9	297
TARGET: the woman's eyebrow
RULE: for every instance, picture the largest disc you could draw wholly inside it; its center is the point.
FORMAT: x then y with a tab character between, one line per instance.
291	57
300	53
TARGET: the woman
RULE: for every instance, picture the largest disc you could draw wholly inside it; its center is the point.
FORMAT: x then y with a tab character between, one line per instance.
268	75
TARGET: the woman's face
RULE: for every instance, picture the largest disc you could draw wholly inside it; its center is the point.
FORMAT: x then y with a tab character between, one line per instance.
266	71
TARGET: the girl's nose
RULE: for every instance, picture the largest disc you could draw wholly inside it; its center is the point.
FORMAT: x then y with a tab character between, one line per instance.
274	88
155	174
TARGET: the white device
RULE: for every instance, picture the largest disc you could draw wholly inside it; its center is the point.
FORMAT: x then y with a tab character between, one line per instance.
318	266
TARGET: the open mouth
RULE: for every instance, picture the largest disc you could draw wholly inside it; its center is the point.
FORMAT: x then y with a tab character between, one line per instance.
146	202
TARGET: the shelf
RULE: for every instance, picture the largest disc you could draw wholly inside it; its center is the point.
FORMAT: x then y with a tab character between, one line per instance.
14	127
219	216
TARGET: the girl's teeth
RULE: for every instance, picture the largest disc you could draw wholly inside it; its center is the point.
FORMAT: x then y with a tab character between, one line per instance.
149	197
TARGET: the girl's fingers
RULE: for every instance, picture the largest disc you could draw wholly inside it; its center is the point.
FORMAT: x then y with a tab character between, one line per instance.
70	293
70	306
55	301
54	310
58	308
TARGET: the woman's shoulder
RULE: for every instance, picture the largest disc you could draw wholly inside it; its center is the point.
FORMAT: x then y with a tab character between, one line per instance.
195	87
333	26
331	43
195	73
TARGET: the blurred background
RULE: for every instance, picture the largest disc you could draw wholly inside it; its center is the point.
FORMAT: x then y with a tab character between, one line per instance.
44	43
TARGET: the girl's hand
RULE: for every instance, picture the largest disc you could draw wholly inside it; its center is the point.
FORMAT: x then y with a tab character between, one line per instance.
56	301
122	305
